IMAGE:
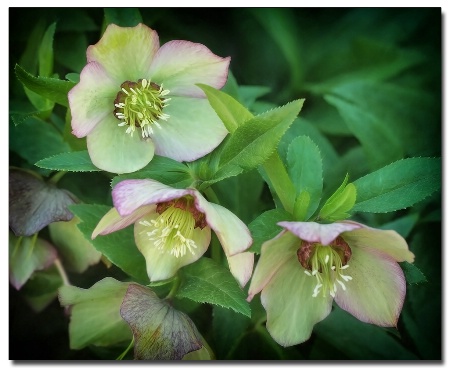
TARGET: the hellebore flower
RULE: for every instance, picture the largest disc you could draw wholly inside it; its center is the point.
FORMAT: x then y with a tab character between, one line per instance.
172	227
135	99
308	264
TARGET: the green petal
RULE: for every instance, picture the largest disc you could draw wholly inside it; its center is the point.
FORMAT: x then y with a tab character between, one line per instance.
274	254
113	150
291	309
377	290
126	53
161	266
387	241
192	131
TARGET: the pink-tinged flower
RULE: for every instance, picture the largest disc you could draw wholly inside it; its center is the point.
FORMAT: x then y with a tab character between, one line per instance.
308	265
136	99
172	227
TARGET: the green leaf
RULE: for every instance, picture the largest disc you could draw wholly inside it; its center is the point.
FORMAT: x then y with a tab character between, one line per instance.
160	331
73	77
305	170
412	274
119	247
26	255
46	52
253	142
33	203
249	94
162	169
76	252
337	206
72	52
51	88
265	227
231	112
402	225
205	281
124	17
95	313
301	206
68	161
398	185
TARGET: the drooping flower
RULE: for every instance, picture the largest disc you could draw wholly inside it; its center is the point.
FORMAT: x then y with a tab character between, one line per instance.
136	99
172	227
307	265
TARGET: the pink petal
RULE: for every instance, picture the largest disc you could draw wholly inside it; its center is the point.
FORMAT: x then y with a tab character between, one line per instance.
319	233
387	241
241	267
233	234
192	131
179	65
129	195
377	291
112	221
274	254
126	53
92	99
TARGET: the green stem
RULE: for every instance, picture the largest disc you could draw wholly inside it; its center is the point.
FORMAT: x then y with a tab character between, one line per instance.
121	356
62	272
174	289
211	195
281	183
55	178
33	243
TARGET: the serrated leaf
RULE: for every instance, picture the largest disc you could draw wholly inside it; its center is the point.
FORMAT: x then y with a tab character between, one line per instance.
305	170
95	313
337	206
51	88
124	17
254	142
162	169
68	161
398	185
412	274
26	255
160	331
205	281
230	111
45	53
265	227
119	247
301	206
33	204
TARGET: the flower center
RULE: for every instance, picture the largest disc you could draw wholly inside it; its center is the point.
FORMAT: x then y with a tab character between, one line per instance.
173	229
326	263
140	105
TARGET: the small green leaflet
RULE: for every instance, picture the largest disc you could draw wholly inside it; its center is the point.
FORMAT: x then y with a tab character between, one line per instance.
118	247
51	88
205	281
398	185
265	227
46	52
412	274
337	206
305	170
68	161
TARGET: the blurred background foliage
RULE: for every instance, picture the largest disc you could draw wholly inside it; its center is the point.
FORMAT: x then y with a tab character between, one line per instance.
371	78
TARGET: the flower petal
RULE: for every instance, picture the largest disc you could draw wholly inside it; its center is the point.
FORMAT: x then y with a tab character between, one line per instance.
387	241
161	266
125	52
129	195
274	254
192	131
233	234
112	221
319	233
377	290
182	64
241	267
291	309
113	150
92	99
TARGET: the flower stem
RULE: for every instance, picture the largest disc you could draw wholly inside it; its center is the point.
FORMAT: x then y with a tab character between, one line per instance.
211	195
55	178
62	272
281	183
121	356
174	289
